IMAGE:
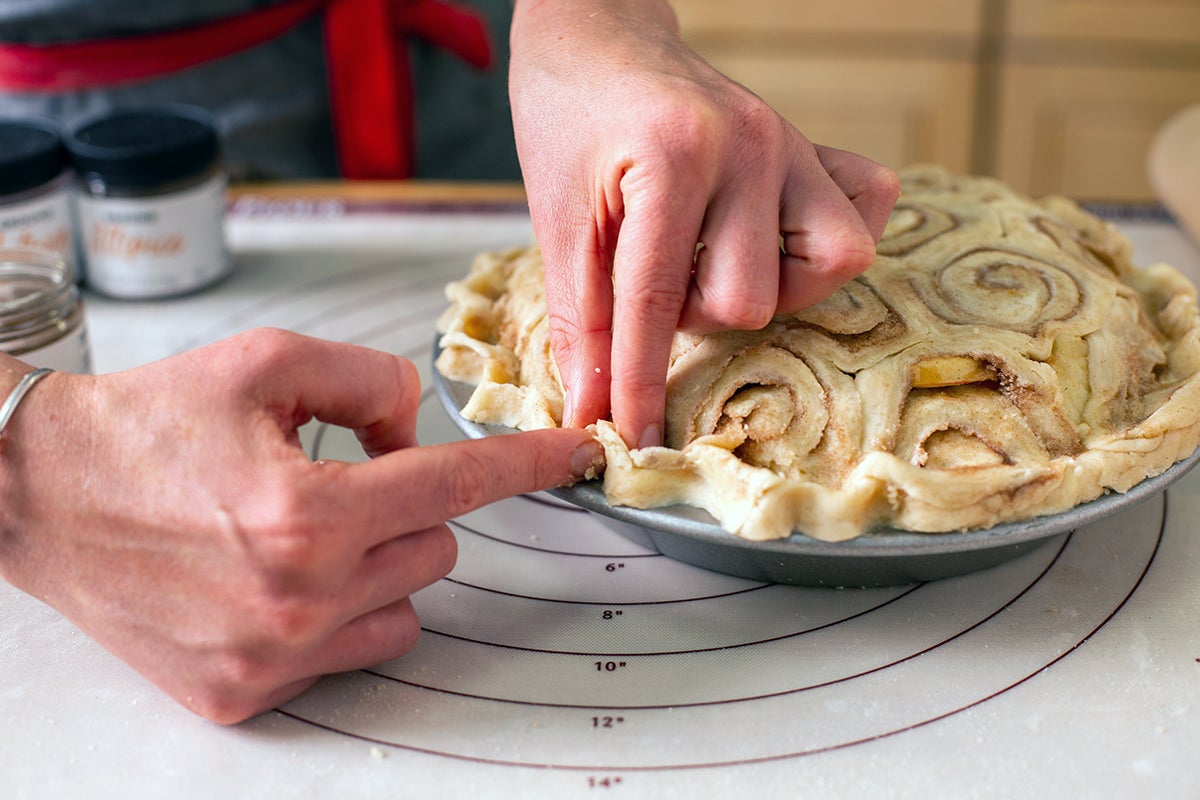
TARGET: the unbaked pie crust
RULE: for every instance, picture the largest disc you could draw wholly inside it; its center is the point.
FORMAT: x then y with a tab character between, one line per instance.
1001	359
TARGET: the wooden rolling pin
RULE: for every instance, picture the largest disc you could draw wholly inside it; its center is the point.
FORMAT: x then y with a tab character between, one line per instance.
1174	168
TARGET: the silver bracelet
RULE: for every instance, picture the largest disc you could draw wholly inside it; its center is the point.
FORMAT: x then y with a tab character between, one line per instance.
18	394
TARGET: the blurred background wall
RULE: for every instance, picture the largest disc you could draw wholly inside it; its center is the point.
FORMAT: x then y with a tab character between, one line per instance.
1052	96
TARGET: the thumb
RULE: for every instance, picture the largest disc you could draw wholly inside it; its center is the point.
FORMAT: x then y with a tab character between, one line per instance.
374	393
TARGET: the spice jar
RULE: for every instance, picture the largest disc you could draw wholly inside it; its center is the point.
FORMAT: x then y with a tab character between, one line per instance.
150	201
42	320
35	187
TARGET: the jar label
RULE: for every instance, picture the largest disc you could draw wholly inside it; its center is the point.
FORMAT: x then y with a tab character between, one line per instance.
140	247
43	222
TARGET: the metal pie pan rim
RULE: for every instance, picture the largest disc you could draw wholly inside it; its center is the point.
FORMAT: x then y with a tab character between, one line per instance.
882	543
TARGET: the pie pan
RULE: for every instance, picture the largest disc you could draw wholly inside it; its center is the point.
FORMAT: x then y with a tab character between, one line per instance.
882	557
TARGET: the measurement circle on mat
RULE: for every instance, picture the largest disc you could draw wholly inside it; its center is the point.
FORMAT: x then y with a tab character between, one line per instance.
557	642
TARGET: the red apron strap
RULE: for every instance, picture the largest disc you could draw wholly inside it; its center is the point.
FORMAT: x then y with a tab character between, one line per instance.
450	27
370	78
107	62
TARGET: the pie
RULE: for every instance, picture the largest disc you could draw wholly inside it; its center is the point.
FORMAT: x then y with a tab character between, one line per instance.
1001	359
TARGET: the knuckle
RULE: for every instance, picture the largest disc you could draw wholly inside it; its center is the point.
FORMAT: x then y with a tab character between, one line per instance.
750	315
884	184
566	333
235	672
467	485
738	312
405	629
846	255
854	257
690	130
287	556
288	623
278	633
234	675
408	639
268	346
446	553
697	127
758	120
219	707
226	694
259	352
655	307
403	386
285	538
407	378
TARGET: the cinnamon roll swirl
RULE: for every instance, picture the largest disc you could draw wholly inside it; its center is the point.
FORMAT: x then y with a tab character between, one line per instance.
1002	358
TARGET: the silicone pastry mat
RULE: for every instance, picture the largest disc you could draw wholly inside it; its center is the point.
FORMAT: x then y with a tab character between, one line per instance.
561	659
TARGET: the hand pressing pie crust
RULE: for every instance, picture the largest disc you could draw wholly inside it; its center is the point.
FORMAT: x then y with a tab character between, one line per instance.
1001	359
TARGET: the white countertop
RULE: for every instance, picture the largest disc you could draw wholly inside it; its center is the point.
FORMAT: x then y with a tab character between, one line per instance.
1071	671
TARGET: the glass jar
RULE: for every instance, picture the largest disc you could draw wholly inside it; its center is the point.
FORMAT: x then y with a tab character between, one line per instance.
42	318
35	187
150	201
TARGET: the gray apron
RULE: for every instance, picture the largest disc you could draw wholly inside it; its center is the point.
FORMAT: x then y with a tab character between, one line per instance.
271	101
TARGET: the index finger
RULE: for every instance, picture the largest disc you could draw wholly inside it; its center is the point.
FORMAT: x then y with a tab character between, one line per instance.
871	187
420	487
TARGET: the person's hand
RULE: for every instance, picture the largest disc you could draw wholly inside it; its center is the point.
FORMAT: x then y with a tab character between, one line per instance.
169	512
659	192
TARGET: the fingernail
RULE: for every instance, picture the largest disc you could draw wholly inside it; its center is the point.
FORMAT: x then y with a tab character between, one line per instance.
588	460
651	437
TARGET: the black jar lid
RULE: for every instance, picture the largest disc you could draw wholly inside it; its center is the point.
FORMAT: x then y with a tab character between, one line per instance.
145	148
31	154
